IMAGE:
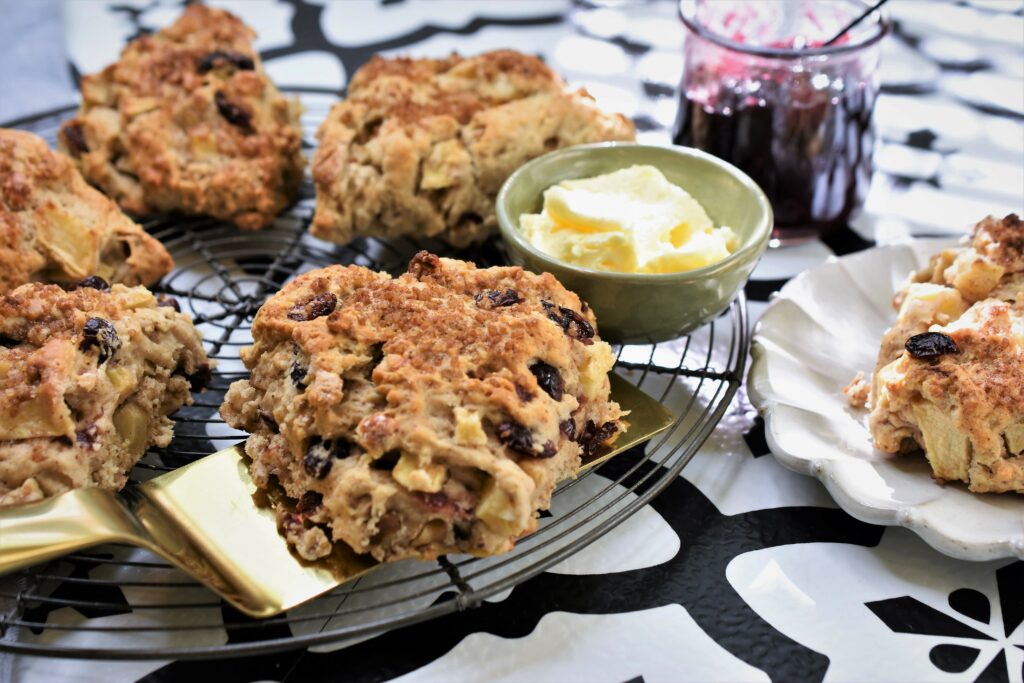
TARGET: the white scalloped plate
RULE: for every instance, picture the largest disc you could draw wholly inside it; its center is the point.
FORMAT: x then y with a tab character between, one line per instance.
824	326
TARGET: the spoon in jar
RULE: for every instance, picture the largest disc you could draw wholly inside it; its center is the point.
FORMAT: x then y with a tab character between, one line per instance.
867	13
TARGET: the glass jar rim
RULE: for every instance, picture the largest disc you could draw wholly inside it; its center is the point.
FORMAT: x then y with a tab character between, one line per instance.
883	26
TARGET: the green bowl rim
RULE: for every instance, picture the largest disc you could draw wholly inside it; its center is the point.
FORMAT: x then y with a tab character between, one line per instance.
762	232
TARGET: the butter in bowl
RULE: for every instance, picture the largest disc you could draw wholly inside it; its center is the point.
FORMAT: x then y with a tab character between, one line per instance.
658	240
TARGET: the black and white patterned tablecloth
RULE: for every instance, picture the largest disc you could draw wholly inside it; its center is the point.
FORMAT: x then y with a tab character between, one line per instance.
741	570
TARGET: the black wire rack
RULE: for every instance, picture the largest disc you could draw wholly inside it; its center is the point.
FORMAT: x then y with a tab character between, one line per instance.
120	602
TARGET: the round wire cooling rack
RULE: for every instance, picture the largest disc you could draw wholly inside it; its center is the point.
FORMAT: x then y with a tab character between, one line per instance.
120	602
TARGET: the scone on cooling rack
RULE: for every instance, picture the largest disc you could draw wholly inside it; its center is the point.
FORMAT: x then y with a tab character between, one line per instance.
87	380
188	121
426	414
950	373
421	146
55	228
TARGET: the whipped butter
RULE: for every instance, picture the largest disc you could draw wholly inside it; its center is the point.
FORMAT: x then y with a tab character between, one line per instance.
630	221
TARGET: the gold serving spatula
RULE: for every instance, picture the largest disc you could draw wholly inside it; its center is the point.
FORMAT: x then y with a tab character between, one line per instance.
206	519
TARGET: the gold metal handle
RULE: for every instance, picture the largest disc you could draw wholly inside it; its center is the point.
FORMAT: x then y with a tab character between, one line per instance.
30	534
203	519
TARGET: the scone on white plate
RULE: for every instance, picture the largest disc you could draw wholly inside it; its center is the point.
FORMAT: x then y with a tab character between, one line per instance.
950	373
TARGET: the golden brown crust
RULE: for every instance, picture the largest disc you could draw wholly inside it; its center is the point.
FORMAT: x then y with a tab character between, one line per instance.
444	395
1001	241
54	227
421	146
187	120
87	380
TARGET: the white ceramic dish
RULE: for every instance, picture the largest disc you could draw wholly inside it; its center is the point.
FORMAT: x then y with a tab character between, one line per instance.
822	328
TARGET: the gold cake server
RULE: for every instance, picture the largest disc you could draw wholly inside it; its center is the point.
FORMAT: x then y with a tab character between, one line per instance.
207	519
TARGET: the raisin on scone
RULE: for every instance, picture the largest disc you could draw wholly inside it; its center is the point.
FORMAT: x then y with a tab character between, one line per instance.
54	227
425	414
421	146
187	120
87	380
950	373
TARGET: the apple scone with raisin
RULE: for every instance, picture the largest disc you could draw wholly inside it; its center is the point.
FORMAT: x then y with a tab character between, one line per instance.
54	227
421	146
87	380
950	373
425	414
187	120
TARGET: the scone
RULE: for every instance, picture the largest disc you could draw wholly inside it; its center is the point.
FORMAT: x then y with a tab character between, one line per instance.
421	146
55	228
426	414
950	373
188	121
87	380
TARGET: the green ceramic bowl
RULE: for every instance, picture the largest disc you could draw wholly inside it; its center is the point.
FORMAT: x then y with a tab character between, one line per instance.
645	308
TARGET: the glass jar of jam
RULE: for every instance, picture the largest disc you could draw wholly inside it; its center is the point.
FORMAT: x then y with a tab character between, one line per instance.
761	90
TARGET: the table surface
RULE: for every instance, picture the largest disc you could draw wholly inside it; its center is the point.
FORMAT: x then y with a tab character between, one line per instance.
740	570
